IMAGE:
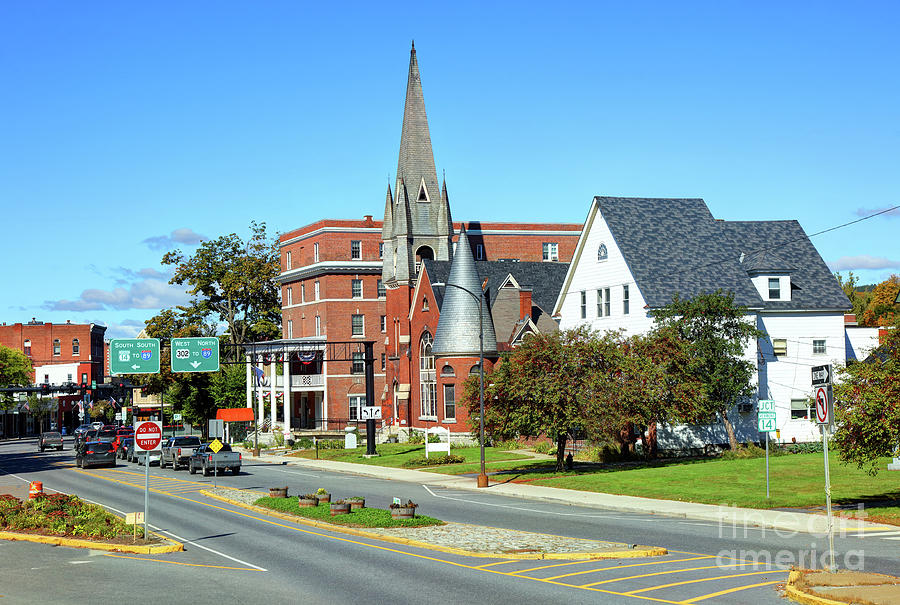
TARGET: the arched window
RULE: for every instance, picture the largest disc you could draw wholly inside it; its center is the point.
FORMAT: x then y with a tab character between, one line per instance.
76	348
56	347
601	253
427	378
475	370
27	346
447	370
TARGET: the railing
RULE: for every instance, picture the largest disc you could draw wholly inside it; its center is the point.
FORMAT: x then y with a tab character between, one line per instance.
301	381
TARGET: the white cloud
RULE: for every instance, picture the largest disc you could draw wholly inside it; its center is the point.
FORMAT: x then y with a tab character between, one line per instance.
128	328
178	236
891	212
146	293
863	261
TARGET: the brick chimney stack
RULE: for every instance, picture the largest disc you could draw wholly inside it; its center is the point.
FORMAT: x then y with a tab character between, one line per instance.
524	303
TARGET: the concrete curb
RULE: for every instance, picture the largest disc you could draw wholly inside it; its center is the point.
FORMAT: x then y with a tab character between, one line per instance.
643	551
725	515
139	549
795	594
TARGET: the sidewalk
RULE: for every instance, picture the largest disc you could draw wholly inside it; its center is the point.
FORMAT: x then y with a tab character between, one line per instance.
726	515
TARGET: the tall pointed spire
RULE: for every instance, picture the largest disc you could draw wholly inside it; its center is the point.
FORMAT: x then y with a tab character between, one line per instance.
457	330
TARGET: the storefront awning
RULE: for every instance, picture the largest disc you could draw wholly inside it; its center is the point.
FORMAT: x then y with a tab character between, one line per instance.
235	415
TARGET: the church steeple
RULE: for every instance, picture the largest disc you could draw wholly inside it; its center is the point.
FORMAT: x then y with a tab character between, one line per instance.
420	216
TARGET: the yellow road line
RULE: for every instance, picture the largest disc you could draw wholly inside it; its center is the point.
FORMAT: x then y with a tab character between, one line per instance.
753	573
616	567
658	573
728	591
505	562
662	573
394	550
685	552
181	563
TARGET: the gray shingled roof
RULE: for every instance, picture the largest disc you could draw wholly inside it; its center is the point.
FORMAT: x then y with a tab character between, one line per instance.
458	330
545	279
763	261
676	246
812	284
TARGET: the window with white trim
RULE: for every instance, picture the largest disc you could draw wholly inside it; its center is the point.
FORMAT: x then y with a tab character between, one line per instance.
318	326
356	289
606	302
427	382
380	289
287	260
774	288
316	290
380	249
357	325
355	249
290	295
818	346
779	346
583	304
76	347
56	347
383	362
383	324
356	402
27	347
315	252
602	254
625	300
800	409
551	251
358	363
479	252
599	302
290	330
449	402
303	293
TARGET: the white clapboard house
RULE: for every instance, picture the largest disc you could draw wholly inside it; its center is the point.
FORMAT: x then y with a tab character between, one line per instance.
635	254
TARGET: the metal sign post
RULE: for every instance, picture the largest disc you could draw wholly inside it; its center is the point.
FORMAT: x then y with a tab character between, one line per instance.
821	382
147	438
766	422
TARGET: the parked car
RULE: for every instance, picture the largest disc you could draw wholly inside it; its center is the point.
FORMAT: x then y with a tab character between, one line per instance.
107	434
50	439
178	450
95	453
121	433
123	450
208	461
140	457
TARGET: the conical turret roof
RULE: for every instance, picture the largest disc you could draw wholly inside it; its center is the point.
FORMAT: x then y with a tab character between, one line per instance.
457	330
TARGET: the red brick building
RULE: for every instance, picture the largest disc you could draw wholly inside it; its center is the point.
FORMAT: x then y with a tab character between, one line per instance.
60	354
347	280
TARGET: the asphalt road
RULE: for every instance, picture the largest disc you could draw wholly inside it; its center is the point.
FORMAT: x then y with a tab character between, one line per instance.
233	555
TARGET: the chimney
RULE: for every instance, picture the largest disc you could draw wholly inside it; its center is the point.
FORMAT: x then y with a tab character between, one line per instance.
524	303
368	220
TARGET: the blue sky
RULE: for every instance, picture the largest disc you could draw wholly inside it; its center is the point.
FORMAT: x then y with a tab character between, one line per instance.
131	128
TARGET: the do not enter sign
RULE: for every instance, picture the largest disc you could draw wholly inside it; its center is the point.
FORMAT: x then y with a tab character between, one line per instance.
147	436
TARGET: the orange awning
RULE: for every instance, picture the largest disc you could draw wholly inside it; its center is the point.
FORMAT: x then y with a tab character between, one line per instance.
235	415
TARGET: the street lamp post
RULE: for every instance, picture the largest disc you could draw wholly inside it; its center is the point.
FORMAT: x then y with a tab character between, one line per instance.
482	476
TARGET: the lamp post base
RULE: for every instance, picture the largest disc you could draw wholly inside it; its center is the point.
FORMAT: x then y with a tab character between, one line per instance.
482	480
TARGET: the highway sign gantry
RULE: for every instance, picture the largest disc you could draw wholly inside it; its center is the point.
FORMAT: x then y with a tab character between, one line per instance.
134	356
195	354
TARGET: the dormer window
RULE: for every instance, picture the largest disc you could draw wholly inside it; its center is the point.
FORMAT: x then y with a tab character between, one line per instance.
602	253
774	288
423	193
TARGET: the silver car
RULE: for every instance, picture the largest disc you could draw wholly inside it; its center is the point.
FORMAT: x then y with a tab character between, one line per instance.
155	457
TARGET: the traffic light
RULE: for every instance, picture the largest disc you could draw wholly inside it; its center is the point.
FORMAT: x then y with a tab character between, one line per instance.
45	389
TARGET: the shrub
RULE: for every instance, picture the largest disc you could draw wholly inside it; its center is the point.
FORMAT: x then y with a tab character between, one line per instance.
508	444
304	443
749	451
813	447
601	453
544	447
434	460
416	438
279	439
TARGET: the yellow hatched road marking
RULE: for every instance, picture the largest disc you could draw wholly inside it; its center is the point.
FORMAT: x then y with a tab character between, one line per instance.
392	550
660	573
728	591
181	563
498	563
616	567
752	573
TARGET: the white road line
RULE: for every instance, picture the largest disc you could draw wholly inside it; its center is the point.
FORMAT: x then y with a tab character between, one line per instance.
281	470
530	510
701	524
897	538
154	527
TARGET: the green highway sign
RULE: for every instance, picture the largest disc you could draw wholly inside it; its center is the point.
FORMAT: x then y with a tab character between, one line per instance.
765	421
195	354
767	405
134	356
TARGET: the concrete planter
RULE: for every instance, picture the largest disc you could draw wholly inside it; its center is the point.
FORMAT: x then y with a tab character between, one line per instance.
323	498
307	502
340	508
356	504
404	512
278	492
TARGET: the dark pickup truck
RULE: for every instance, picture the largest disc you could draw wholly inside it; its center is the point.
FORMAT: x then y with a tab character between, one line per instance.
208	461
178	450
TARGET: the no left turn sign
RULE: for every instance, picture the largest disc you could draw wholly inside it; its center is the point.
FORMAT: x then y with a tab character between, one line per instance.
823	406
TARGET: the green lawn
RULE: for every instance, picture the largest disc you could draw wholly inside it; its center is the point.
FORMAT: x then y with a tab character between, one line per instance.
795	481
396	454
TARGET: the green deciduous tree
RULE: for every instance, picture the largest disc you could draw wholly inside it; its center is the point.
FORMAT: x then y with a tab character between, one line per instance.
867	408
15	370
234	282
719	332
